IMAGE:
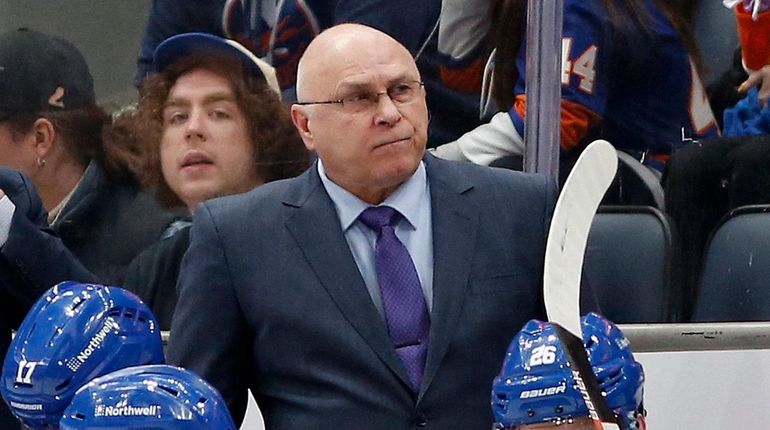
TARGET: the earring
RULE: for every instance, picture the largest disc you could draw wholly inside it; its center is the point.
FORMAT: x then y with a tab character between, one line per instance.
40	162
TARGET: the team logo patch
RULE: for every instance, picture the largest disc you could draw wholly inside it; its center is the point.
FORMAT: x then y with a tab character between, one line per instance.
56	98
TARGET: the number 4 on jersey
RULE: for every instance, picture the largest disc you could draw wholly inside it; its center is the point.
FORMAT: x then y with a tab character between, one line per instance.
584	65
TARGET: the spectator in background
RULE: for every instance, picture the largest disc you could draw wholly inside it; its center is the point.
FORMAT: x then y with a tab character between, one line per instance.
249	22
751	64
641	99
51	130
209	123
279	32
704	182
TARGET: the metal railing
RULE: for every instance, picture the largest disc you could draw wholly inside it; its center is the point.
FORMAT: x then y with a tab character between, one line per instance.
715	336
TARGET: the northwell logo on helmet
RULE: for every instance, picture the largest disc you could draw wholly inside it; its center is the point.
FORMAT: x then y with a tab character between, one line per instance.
95	343
127	411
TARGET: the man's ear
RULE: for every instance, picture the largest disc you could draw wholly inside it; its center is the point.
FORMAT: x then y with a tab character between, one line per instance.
301	120
44	134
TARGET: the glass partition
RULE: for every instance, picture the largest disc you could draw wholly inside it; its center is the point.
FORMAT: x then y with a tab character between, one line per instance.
109	33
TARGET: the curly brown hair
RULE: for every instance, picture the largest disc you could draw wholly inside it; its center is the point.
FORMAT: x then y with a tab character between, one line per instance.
278	150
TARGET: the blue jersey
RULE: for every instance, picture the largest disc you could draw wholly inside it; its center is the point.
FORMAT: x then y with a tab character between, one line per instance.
250	22
638	90
280	30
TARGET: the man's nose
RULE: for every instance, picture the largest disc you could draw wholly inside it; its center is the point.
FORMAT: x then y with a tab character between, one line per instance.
196	125
387	111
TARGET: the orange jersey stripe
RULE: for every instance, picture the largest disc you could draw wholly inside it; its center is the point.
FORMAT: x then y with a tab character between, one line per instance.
576	120
466	79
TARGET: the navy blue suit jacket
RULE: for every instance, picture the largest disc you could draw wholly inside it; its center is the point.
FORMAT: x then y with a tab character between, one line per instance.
270	299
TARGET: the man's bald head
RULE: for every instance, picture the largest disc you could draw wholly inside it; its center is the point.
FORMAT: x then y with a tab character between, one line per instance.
361	107
338	47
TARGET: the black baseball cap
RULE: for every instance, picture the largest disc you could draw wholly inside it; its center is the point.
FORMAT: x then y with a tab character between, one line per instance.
40	73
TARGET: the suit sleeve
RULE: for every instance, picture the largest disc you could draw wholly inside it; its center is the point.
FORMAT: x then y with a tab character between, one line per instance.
33	258
486	143
208	330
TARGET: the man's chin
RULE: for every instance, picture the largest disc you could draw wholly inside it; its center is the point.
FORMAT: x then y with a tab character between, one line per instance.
193	196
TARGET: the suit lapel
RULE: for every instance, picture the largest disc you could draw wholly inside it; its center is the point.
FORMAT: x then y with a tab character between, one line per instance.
454	238
316	229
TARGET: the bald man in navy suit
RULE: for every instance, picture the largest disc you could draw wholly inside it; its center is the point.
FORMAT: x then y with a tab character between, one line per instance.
281	290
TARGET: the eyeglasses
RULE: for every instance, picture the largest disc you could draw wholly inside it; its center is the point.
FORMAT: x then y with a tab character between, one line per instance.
401	93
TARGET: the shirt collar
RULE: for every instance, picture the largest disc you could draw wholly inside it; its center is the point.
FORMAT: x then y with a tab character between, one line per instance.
53	215
406	199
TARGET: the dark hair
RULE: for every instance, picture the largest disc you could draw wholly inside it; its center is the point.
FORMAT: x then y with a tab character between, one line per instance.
81	132
278	150
628	18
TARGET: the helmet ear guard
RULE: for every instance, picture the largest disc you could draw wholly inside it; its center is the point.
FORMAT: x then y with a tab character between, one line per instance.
535	384
155	397
74	333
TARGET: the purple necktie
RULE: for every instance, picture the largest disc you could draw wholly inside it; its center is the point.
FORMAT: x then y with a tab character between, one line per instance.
405	311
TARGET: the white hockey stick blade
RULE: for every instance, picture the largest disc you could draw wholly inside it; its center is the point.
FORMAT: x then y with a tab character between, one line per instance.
572	217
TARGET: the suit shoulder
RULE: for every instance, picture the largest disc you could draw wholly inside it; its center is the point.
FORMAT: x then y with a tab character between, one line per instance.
263	199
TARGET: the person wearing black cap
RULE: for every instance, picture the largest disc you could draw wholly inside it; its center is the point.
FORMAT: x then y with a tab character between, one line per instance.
209	123
51	130
51	133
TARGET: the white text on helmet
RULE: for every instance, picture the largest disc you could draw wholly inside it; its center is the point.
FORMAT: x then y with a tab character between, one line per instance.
96	341
542	392
127	411
586	397
27	406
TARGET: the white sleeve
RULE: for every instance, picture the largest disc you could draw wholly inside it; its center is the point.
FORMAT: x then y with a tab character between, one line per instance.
7	208
486	143
463	27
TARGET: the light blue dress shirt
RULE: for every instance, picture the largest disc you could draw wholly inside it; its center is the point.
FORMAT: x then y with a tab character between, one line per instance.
414	230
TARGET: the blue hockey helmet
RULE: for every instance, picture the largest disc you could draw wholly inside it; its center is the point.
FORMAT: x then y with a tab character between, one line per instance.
74	333
535	384
156	397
